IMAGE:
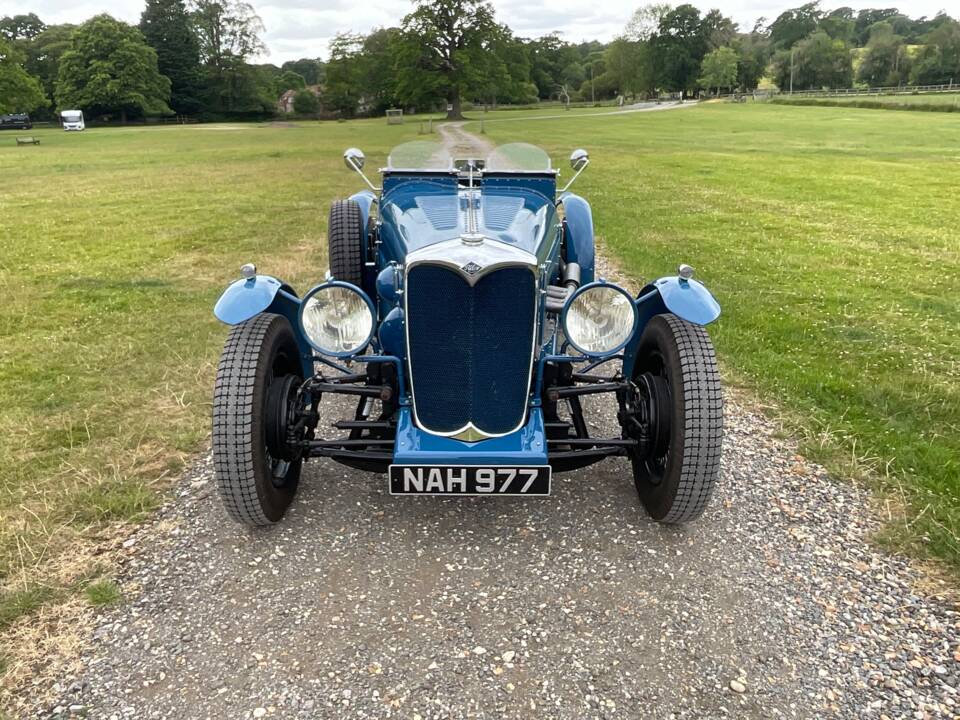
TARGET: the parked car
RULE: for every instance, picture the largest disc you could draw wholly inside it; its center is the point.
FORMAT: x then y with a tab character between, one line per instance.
16	121
463	314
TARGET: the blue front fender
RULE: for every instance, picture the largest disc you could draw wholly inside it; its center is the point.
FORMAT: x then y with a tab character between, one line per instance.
578	231
245	298
687	299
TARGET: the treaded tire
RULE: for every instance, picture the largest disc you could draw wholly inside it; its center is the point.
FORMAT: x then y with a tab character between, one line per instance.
346	234
254	488
678	489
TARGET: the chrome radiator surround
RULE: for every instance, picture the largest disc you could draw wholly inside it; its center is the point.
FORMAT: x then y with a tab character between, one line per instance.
472	258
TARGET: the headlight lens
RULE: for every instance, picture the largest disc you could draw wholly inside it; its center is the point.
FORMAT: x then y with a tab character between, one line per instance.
337	319
600	319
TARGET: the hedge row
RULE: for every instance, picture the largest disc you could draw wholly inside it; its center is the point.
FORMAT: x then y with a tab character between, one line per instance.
869	104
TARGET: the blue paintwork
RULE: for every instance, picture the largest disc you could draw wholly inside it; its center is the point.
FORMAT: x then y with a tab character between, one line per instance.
348	286
245	298
578	228
365	199
526	446
416	209
388	285
688	299
392	334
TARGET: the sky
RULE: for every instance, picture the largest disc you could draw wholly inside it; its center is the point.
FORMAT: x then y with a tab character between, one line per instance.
303	28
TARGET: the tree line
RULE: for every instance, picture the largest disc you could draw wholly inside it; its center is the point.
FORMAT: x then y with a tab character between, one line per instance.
194	57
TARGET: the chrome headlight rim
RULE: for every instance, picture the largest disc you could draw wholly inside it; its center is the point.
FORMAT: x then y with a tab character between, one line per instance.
357	350
586	288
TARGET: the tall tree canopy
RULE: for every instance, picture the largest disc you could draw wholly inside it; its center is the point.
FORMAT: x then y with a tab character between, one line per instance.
110	69
21	27
229	33
44	52
19	91
449	42
167	28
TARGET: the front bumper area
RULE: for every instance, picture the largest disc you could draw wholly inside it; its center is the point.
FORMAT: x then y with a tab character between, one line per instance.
526	446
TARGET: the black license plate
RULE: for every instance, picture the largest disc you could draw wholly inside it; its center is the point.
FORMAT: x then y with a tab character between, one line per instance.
469	479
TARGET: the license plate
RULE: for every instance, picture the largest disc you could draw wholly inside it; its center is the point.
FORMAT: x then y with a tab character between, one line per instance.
469	479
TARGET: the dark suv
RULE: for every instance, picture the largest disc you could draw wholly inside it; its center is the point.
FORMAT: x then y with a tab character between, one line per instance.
17	121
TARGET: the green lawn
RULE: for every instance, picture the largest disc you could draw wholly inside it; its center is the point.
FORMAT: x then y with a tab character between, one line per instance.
115	245
830	239
943	102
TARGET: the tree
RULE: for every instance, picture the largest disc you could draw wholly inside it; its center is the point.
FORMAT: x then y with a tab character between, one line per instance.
167	28
110	69
794	25
449	41
288	80
884	61
678	48
306	103
310	69
344	88
753	52
719	31
44	52
839	24
818	62
645	21
719	69
228	32
19	91
939	60
21	27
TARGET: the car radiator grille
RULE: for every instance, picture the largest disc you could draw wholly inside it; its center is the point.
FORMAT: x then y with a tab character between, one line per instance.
470	347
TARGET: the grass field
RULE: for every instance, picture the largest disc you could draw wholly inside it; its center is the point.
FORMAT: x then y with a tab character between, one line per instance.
935	102
833	243
829	238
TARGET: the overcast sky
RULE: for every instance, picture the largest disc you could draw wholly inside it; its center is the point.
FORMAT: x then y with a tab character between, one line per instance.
303	28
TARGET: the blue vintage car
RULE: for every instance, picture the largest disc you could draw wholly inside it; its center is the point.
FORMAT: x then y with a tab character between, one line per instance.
464	318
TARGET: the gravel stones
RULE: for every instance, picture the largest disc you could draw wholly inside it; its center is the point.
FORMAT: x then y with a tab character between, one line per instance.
364	605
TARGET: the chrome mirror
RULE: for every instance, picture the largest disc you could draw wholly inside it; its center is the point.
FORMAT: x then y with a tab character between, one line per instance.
354	159
579	159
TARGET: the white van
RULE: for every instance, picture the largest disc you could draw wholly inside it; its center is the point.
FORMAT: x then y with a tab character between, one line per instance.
72	119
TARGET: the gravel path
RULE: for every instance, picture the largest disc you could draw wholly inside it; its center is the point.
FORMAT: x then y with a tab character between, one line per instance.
364	605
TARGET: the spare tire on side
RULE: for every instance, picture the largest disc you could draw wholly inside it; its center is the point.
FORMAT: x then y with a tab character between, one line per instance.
347	240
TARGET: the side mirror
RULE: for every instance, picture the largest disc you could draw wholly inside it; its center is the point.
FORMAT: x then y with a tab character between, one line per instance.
354	159
579	159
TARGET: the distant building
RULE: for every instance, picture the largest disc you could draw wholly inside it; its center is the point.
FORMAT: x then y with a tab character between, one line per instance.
285	103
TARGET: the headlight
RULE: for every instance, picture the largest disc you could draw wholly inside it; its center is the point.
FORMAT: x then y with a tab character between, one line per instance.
599	319
337	319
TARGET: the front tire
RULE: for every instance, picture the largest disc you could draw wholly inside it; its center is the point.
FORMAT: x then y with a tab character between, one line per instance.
259	360
676	374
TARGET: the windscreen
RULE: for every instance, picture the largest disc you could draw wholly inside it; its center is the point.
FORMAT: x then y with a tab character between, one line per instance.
419	155
518	157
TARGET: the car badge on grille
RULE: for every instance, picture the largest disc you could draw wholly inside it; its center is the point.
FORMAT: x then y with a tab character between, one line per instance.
471	268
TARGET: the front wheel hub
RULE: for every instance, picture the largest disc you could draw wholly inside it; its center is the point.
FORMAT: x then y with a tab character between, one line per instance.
280	415
650	415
